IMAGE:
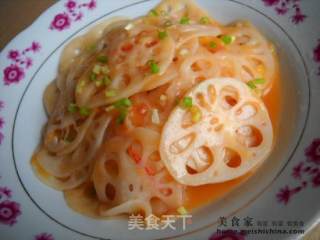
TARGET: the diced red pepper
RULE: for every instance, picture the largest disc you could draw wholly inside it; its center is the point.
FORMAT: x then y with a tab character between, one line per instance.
152	43
127	47
134	154
150	171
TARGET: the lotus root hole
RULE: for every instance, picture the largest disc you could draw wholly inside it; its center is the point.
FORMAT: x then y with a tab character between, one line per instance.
246	111
230	97
249	136
201	100
211	93
110	191
199	160
182	144
232	158
111	167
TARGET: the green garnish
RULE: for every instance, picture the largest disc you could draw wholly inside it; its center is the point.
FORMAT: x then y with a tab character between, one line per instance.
154	68
93	76
106	80
187	102
96	69
110	93
212	44
204	20
195	114
154	13
259	81
102	59
104	70
252	84
227	39
162	34
80	86
122	116
92	47
98	83
84	111
72	108
184	20
122	103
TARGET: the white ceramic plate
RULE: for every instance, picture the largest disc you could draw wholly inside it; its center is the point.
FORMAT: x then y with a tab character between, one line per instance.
283	195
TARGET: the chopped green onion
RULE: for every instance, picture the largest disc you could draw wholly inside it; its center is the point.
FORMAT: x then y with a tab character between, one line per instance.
154	13
93	76
84	111
184	20
154	68
195	114
98	83
110	93
212	44
259	81
124	102
204	20
102	59
92	47
162	34
80	86
227	39
105	70
187	102
106	80
72	108
252	84
167	23
122	116
182	210
96	69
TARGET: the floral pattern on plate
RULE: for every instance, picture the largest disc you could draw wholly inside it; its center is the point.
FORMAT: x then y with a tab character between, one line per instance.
1	122
283	7
44	236
73	13
9	210
316	55
20	63
305	173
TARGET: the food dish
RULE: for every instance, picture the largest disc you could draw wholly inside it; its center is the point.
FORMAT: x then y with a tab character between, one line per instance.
125	105
273	191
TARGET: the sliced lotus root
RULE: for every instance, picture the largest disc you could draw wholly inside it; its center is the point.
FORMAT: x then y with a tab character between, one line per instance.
132	56
255	58
180	8
231	135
